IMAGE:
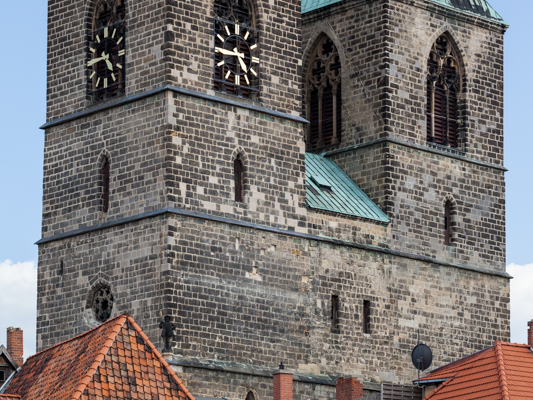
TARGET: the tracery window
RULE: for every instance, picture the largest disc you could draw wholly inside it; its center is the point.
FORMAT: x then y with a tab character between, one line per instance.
106	51
324	96
236	66
443	88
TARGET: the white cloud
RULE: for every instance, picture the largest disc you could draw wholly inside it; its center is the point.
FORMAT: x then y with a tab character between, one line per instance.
18	301
521	300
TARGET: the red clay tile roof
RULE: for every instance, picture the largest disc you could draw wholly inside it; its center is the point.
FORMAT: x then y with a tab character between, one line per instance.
115	360
9	397
503	371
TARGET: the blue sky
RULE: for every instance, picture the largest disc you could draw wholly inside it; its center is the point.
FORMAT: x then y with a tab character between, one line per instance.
22	111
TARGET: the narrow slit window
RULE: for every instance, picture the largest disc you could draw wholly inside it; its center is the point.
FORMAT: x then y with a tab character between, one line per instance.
447	224
238	177
105	179
334	311
366	316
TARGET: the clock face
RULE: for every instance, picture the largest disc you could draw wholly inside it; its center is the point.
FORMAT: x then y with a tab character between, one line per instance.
237	60
105	61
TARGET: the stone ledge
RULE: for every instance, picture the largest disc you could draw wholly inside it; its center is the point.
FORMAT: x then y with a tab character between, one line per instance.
175	89
230	221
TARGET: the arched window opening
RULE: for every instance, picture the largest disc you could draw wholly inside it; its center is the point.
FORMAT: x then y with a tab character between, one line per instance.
447	223
324	96
237	48
105	185
443	87
106	51
250	396
238	178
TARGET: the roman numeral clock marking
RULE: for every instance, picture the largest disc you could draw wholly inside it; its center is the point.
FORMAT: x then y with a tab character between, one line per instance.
235	55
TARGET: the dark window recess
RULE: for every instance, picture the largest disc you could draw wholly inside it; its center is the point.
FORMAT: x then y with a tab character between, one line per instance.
324	96
238	11
443	86
334	312
61	267
366	316
2	376
447	224
238	177
105	184
250	396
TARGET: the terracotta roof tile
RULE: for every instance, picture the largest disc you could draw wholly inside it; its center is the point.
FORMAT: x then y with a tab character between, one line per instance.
503	371
113	361
8	397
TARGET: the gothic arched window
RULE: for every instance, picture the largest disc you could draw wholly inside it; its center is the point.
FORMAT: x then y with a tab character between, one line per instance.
106	50
443	87
324	96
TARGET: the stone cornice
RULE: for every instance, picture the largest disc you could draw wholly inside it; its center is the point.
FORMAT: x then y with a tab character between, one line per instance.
139	96
434	150
234	222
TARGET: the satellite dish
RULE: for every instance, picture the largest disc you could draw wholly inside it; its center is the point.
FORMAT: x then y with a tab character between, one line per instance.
421	357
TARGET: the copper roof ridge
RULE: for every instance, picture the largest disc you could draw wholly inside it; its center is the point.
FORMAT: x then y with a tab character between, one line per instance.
100	355
501	370
77	336
161	359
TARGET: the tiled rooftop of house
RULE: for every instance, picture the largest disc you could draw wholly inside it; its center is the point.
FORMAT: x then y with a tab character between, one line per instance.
115	360
503	371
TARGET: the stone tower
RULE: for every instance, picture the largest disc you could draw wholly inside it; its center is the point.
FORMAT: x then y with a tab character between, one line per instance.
177	183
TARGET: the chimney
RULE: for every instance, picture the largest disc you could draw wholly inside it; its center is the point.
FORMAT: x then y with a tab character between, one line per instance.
282	384
15	345
349	388
530	333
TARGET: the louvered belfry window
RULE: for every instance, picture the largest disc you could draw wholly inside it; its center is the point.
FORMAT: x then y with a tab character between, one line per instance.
443	88
324	96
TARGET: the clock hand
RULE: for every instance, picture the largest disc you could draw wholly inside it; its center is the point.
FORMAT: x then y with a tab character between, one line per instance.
94	61
243	65
225	52
237	53
110	65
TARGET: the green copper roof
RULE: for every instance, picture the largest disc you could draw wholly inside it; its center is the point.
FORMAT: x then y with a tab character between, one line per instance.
310	5
478	7
330	189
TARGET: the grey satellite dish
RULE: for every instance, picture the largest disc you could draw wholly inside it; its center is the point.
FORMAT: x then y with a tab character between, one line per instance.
421	357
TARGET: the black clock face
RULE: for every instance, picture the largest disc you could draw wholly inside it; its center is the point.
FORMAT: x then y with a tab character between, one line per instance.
237	60
105	61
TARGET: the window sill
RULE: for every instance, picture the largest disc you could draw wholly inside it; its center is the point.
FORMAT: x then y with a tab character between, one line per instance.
447	149
335	330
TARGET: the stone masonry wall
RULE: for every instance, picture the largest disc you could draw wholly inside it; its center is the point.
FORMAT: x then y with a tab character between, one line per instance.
128	258
132	137
189	46
206	137
250	296
412	186
69	22
421	183
243	295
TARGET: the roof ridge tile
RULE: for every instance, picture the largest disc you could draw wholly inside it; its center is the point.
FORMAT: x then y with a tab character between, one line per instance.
501	370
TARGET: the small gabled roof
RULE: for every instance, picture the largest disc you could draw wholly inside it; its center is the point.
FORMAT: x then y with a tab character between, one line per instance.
115	360
503	371
477	7
5	354
328	188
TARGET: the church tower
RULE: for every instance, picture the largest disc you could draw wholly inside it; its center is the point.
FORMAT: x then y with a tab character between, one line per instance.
306	182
